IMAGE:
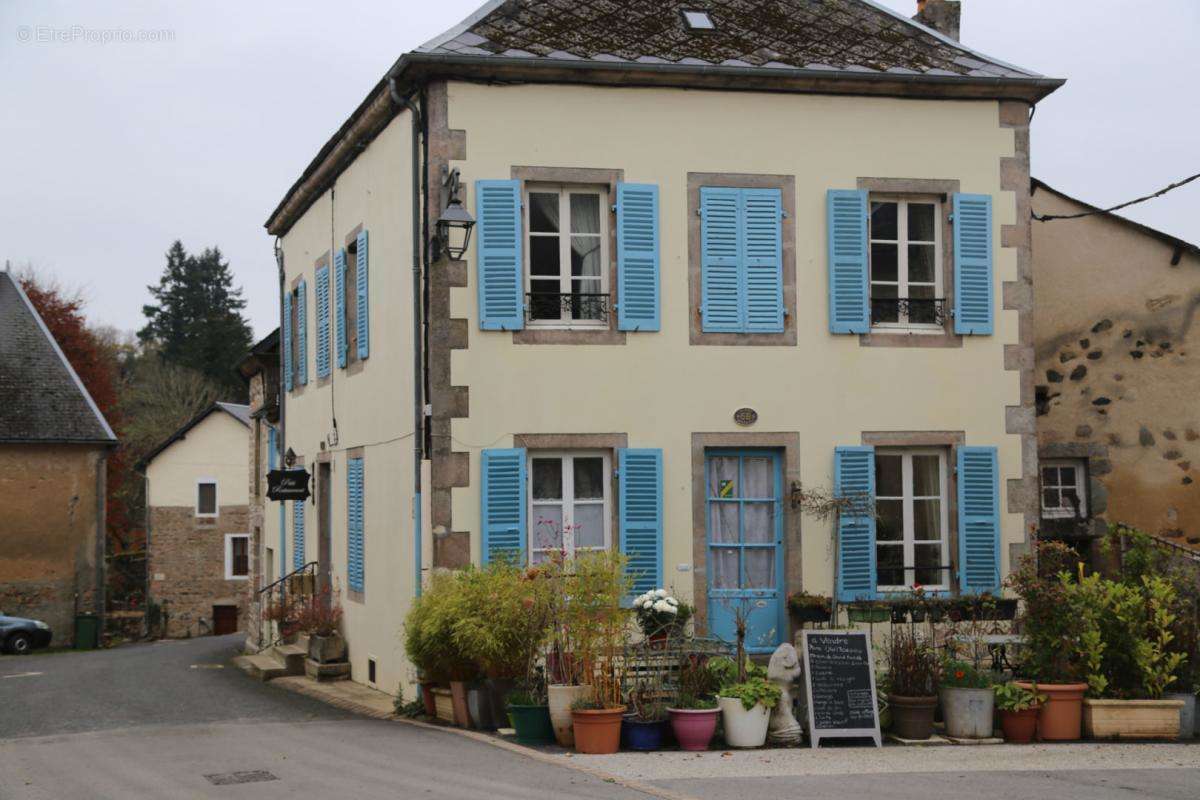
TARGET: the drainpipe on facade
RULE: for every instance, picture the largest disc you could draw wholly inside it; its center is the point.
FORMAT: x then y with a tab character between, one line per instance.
279	440
418	395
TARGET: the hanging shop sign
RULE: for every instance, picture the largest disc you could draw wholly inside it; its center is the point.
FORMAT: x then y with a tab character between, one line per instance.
287	484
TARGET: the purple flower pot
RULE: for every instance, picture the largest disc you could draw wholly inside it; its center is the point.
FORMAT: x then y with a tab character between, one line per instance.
694	728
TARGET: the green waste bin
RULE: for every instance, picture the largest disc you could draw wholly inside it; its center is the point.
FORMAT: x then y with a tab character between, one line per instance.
87	631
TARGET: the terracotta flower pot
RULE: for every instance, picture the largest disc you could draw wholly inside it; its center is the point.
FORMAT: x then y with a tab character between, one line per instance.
428	699
462	714
598	731
694	727
1019	726
1132	719
912	717
1061	716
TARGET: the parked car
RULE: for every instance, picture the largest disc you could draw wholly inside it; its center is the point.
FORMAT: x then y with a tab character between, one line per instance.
19	635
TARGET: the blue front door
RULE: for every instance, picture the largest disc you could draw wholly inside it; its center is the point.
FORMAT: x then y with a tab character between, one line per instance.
744	491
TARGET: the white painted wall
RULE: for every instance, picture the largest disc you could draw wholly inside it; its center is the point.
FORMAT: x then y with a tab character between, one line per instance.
218	448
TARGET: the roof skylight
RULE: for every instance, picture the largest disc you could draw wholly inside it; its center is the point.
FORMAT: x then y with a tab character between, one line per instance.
698	20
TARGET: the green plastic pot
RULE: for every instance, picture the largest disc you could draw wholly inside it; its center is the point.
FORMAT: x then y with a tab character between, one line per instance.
532	724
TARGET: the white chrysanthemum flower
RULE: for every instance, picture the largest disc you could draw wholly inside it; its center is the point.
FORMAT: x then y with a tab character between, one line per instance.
663	608
648	605
660	593
672	601
640	600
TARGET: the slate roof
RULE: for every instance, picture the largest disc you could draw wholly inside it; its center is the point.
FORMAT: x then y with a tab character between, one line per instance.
239	412
42	400
819	35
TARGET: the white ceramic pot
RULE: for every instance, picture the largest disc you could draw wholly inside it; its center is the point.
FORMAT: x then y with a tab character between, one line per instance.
968	712
561	697
744	728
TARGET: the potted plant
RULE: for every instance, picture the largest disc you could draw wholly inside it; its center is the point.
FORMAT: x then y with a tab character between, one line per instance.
869	611
566	674
967	700
647	724
694	712
600	624
912	676
805	607
660	615
321	618
530	716
1060	642
1018	712
430	642
746	711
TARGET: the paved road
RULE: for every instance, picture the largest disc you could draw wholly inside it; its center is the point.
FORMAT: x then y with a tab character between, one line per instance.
153	721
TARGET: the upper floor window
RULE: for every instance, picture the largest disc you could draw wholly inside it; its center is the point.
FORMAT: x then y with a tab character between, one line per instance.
237	556
741	260
570	502
1063	495
206	497
567	255
906	263
295	340
912	524
351	308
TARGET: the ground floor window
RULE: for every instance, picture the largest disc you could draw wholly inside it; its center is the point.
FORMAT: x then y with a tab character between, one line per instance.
570	502
912	520
237	556
1063	495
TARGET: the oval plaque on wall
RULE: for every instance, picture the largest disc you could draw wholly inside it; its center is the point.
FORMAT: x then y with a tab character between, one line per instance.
745	417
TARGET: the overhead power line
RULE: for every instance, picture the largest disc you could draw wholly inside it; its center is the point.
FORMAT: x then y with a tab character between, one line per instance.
1159	193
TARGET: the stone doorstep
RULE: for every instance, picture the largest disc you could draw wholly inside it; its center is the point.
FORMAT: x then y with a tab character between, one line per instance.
337	671
261	666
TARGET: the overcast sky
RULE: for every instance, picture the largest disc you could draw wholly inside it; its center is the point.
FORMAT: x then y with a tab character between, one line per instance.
113	150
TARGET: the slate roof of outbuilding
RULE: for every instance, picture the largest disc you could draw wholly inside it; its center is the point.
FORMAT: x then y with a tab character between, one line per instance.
819	35
42	400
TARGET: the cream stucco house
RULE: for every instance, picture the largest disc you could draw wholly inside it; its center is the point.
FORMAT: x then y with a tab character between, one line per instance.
719	255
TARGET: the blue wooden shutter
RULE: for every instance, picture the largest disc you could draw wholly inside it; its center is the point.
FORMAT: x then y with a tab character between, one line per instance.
720	253
637	257
849	295
503	505
973	263
297	534
354	523
640	490
362	288
287	341
978	520
501	288
854	478
302	333
339	300
323	363
762	259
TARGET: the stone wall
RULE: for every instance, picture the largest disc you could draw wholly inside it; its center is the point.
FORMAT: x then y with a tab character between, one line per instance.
51	542
187	567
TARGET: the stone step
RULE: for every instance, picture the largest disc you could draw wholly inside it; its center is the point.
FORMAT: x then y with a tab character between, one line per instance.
291	656
261	666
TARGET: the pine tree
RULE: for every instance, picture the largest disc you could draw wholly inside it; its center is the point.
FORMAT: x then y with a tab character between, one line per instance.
197	321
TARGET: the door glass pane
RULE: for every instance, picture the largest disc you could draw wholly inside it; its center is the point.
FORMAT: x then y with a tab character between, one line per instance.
927	520
890	565
547	527
927	479
883	221
929	561
589	525
885	262
724	568
760	568
758	523
888	481
723	517
920	222
589	478
889	526
759	476
543	212
547	479
723	477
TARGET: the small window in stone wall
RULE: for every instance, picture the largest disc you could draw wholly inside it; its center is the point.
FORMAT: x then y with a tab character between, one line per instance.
1063	492
237	556
206	498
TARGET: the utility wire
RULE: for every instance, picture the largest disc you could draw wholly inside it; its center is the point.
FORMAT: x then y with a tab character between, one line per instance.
1159	193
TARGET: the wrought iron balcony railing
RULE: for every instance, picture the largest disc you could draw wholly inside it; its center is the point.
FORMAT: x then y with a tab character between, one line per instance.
911	311
571	307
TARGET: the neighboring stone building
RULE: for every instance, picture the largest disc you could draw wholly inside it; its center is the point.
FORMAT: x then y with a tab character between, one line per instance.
198	528
260	368
54	443
1118	373
718	255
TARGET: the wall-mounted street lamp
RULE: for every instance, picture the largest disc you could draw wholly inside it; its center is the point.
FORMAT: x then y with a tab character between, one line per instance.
453	232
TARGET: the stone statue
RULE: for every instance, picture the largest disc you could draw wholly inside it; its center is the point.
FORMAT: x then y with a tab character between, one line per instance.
783	671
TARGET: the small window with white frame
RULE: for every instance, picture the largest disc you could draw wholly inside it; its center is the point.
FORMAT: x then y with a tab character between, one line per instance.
206	497
237	556
570	503
566	255
912	520
906	263
1063	495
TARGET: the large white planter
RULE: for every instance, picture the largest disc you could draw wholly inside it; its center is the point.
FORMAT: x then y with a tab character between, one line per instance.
1131	719
561	697
744	728
968	712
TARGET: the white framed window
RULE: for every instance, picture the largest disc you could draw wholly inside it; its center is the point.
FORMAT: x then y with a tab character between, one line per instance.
237	556
206	498
566	255
570	502
906	263
1063	493
912	519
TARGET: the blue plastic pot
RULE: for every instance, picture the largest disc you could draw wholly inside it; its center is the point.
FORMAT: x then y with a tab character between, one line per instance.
644	735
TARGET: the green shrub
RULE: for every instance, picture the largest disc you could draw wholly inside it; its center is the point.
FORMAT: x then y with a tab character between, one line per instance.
754	691
1011	697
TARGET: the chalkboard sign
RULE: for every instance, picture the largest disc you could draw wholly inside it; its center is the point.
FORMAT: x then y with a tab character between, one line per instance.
839	674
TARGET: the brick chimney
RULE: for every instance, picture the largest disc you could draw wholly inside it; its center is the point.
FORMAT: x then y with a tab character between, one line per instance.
941	15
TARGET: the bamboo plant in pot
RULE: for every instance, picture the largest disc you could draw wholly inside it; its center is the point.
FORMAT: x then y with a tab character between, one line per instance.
430	643
693	712
600	624
912	676
566	673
